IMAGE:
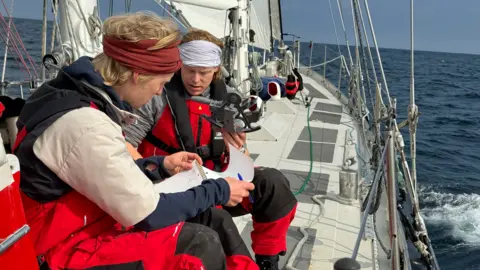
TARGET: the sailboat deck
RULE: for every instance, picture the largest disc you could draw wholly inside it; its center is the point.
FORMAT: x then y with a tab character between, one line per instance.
332	228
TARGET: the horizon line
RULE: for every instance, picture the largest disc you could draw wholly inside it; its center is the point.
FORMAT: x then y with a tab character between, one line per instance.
318	42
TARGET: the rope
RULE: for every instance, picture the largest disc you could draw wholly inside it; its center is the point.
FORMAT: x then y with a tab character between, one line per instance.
57	28
356	12
334	27
17	40
324	63
17	36
339	3
367	9
256	81
22	64
288	63
6	47
93	23
169	13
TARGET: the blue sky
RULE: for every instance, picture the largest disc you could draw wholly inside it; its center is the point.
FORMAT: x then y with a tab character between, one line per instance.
440	25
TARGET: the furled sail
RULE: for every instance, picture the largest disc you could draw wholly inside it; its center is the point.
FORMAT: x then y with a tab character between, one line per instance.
276	19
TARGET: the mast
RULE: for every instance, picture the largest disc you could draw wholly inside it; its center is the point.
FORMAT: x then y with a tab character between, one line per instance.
210	15
278	22
80	30
280	19
44	38
271	26
240	34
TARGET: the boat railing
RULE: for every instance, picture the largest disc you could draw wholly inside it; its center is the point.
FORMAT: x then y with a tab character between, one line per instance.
389	163
31	84
393	145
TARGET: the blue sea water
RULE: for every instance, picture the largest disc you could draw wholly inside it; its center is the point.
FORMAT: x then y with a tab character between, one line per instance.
448	140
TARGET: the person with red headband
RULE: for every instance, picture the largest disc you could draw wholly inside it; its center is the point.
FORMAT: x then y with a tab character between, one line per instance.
88	203
172	122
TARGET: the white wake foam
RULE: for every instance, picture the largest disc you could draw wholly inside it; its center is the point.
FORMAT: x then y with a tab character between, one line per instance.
458	214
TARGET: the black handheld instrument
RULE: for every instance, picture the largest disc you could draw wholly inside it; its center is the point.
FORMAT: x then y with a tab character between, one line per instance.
235	114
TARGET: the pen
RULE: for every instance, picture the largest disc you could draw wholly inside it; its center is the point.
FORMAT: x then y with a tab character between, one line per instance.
250	197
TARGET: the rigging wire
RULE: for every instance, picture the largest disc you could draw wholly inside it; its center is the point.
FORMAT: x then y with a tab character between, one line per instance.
339	4
18	41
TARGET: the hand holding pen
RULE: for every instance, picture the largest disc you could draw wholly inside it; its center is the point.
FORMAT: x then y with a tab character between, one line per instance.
238	190
250	196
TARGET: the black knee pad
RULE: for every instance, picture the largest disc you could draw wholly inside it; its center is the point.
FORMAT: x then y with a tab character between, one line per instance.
273	196
201	242
270	178
201	235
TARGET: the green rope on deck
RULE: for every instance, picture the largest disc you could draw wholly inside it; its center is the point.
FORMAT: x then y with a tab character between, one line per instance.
307	179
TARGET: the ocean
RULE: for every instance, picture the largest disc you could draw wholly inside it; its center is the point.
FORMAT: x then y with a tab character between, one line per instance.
448	135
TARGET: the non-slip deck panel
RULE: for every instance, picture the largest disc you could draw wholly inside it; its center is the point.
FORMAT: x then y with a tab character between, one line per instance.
325	117
316	185
254	156
314	92
328	107
302	261
322	152
326	135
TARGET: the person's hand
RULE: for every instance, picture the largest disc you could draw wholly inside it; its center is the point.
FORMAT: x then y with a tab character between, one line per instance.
181	161
238	190
235	139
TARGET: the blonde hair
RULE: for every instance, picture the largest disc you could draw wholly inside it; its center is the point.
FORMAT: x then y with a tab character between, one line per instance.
198	34
133	27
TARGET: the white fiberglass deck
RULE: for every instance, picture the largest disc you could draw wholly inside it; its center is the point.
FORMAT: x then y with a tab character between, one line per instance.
332	231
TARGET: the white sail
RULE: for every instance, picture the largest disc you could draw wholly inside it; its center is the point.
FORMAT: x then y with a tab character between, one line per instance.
212	4
213	18
260	23
267	28
77	20
276	19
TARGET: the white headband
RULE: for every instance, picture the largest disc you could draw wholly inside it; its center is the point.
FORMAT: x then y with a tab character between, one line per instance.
200	53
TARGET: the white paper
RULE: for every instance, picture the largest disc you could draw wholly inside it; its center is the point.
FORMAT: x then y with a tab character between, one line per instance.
239	164
180	182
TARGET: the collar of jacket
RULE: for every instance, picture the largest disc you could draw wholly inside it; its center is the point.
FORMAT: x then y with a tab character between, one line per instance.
126	117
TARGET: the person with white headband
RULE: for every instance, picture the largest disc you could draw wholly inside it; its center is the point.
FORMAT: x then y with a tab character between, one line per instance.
172	122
